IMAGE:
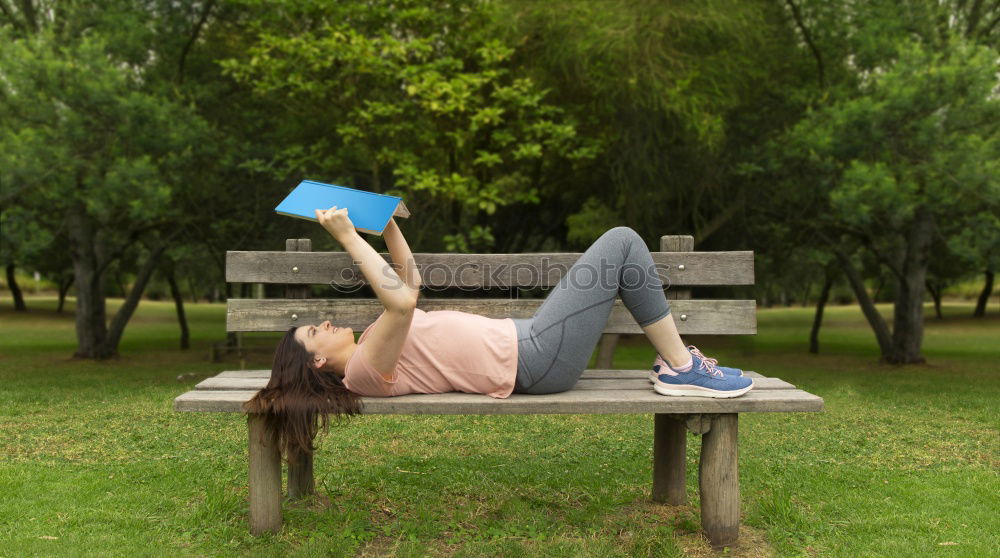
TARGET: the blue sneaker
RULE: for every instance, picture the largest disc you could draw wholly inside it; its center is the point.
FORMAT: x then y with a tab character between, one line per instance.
659	363
725	369
704	379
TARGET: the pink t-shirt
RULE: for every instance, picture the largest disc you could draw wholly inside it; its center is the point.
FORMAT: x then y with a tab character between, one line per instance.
444	351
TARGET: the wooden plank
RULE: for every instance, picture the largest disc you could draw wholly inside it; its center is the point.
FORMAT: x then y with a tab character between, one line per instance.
301	481
244	374
606	350
300	465
602	373
719	481
297	245
569	402
594	373
624	380
678	244
632	373
479	270
669	460
264	477
693	317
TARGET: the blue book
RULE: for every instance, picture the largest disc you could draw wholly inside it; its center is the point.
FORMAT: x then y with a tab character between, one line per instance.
370	212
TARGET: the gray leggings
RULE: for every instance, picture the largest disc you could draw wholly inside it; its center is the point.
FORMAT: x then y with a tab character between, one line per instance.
554	345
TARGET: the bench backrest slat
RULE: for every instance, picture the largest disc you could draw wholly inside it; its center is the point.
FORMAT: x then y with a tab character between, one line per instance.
480	270
693	317
298	267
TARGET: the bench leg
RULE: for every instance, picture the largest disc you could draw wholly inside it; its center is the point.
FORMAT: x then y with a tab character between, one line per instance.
265	477
300	477
669	453
718	480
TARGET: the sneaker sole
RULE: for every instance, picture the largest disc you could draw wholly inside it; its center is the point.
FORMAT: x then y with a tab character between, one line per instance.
698	391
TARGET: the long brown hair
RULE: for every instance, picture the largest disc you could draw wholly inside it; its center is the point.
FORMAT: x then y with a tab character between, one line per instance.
299	399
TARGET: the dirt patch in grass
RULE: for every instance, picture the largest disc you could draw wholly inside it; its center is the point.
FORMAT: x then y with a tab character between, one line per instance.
688	535
381	545
753	544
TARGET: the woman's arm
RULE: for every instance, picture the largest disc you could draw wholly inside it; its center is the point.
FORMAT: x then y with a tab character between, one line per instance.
392	291
402	258
384	343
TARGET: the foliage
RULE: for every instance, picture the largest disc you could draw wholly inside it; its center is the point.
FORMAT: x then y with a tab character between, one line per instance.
669	88
901	143
790	128
85	135
414	98
94	146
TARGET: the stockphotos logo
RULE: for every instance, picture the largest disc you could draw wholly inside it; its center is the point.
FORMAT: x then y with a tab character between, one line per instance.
470	276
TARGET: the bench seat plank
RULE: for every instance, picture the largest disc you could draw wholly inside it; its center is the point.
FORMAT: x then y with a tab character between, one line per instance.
569	402
702	317
479	270
634	379
587	374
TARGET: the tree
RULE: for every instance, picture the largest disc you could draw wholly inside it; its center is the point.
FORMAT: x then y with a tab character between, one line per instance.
897	143
414	98
978	244
94	140
903	160
676	93
21	238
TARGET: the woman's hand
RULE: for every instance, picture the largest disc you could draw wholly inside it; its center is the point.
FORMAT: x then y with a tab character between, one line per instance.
336	222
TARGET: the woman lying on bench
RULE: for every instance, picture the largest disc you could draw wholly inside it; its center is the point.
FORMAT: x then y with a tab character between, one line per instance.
320	369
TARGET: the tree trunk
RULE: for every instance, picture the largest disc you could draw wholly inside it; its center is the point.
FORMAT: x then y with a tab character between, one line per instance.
128	307
936	296
875	320
91	325
878	287
824	295
15	290
64	284
984	296
192	290
908	319
121	284
175	291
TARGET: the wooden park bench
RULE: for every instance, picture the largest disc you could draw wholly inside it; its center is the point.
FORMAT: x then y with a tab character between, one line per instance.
600	391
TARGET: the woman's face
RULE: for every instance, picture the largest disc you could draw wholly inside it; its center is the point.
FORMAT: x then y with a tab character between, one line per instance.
324	341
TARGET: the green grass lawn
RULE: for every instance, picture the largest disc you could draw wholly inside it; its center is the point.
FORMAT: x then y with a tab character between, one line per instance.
903	462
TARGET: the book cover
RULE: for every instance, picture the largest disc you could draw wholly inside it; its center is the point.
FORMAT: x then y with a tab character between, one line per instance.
370	212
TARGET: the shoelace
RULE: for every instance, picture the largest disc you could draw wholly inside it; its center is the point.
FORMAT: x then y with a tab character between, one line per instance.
710	363
694	351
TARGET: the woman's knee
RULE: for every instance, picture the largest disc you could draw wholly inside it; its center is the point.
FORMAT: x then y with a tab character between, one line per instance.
627	236
623	232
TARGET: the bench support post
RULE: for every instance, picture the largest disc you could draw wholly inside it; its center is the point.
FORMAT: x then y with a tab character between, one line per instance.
606	351
265	477
669	454
669	433
300	469
718	480
300	476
